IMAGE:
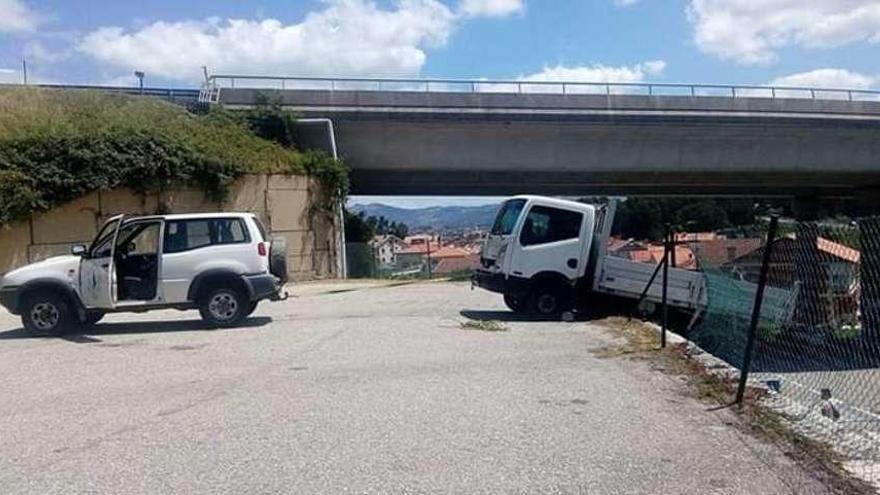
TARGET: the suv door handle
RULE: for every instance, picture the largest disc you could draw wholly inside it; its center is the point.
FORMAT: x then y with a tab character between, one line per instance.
572	262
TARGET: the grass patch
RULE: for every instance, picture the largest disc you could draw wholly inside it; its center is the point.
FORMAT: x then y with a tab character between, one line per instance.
483	325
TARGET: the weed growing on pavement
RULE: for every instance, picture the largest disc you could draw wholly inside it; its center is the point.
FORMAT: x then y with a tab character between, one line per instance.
483	325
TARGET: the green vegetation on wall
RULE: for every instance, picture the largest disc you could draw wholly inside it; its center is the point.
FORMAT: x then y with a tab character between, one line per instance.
270	121
56	146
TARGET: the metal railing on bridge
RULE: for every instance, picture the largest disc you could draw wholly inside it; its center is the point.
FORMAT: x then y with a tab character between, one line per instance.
171	94
215	83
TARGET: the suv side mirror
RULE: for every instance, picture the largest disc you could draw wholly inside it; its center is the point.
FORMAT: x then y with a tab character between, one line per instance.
78	249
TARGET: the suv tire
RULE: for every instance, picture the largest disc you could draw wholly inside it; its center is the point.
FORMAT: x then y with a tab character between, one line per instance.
250	308
46	313
92	318
278	258
223	306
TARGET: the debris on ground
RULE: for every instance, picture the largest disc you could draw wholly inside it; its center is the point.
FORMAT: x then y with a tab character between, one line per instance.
483	325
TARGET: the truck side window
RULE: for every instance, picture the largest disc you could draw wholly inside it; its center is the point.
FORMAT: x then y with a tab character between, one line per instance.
544	225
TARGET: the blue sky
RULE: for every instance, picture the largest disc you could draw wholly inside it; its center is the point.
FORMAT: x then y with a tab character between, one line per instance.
830	43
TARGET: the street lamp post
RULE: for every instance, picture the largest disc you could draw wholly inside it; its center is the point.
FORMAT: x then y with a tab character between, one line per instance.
140	75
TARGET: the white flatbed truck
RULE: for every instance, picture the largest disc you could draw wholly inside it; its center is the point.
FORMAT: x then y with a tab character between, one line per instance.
545	255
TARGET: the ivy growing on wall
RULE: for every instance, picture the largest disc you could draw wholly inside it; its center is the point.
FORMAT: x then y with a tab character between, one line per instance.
269	120
56	146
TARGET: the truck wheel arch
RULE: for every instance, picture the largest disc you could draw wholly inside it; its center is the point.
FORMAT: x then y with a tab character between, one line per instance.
557	279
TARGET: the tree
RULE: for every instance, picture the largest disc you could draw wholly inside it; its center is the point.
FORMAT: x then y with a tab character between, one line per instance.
359	228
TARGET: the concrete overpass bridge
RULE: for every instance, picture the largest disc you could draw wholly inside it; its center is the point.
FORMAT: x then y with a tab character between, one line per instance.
442	137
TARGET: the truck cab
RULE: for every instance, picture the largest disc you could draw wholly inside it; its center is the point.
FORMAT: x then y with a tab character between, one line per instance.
537	252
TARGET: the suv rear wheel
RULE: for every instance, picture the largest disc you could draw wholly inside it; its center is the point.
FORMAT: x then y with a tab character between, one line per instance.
46	313
223	306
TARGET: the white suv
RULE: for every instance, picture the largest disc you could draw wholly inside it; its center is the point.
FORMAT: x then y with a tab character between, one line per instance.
221	263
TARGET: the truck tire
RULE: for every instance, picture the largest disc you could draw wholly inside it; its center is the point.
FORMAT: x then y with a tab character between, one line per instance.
516	304
278	258
549	300
46	313
222	306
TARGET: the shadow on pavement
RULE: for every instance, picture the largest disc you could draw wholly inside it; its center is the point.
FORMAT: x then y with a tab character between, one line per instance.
140	327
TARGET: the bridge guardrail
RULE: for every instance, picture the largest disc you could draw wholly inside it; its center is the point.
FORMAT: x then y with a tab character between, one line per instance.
218	81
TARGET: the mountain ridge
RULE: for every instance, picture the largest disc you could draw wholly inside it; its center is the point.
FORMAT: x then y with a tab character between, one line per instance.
433	217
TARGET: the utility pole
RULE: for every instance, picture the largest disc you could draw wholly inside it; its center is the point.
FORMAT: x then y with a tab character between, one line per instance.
24	71
429	257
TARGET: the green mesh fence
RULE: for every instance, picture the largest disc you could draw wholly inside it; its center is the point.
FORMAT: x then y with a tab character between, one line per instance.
817	347
363	260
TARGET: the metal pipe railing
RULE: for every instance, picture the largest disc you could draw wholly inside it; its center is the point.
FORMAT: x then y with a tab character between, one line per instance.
439	85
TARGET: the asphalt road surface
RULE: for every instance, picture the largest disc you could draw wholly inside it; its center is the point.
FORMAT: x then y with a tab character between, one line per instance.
374	390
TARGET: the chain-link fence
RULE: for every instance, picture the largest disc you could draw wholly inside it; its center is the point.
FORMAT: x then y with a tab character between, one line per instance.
817	345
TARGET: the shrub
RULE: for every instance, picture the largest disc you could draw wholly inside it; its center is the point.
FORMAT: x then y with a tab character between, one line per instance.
56	146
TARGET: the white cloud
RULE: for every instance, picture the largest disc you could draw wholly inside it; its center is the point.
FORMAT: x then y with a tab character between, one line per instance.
598	73
827	78
625	3
491	8
9	76
752	32
16	16
348	37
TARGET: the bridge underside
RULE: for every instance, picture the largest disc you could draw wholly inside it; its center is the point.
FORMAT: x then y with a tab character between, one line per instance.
469	183
430	156
475	144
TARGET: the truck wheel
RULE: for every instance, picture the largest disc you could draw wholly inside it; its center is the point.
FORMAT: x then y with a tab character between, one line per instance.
278	258
46	313
223	306
515	304
548	301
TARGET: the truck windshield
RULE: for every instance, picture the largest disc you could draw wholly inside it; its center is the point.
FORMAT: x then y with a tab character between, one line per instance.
507	216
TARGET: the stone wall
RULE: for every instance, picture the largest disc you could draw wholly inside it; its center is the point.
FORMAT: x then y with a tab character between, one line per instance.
283	203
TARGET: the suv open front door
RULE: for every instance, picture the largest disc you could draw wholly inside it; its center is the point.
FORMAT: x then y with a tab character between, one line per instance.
96	270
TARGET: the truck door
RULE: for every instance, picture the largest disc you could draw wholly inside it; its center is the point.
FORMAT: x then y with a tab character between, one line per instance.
549	241
96	268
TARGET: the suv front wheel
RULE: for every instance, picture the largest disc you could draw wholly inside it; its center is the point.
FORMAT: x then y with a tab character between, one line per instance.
46	313
223	306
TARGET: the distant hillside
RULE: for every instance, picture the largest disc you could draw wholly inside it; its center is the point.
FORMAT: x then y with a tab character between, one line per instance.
435	217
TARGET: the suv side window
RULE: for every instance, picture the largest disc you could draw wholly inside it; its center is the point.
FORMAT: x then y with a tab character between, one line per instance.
184	235
544	225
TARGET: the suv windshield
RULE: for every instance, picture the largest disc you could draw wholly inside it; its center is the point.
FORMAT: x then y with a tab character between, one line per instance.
507	216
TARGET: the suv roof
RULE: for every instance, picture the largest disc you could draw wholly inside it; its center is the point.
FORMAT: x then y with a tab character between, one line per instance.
183	216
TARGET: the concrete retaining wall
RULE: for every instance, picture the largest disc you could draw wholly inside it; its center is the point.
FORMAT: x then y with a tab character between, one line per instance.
283	203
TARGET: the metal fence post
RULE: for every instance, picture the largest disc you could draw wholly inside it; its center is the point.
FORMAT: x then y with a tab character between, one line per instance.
756	311
666	255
